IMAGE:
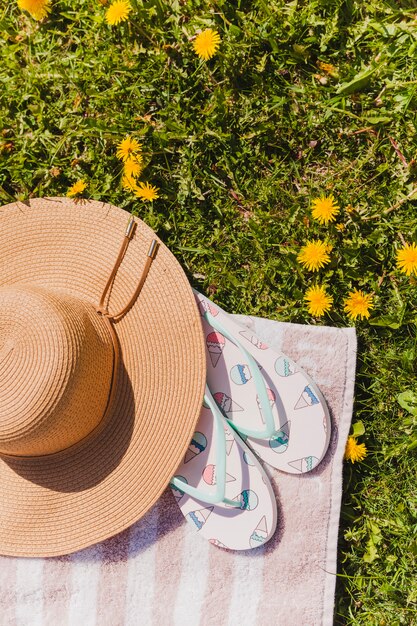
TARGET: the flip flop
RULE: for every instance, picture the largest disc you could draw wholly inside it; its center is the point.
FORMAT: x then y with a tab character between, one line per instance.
221	488
272	403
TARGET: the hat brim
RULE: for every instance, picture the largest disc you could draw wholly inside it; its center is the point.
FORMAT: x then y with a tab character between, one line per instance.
61	503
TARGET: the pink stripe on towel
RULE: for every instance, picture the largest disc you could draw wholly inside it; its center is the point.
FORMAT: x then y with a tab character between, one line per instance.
168	558
56	589
113	577
8	570
220	574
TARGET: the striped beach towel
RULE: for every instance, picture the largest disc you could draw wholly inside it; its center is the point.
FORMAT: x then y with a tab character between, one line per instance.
160	572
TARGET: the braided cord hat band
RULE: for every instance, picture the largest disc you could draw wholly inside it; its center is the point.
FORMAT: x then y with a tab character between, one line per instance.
56	360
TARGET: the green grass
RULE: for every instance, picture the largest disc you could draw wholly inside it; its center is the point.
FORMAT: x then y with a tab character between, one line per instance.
239	146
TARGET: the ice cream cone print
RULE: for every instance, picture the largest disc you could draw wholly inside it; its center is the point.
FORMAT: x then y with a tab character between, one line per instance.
209	475
205	305
248	459
283	367
197	446
259	535
229	440
199	517
226	404
178	494
307	398
306	464
215	344
248	334
240	374
271	398
219	544
279	442
248	500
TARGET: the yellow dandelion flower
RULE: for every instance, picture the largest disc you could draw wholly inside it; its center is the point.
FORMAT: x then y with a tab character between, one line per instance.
38	9
117	12
128	148
357	304
145	191
350	209
325	209
407	259
319	301
76	188
129	183
133	166
314	255
355	451
206	43
340	227
328	68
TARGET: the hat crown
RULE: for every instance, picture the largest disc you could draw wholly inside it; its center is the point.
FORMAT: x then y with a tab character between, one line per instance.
56	363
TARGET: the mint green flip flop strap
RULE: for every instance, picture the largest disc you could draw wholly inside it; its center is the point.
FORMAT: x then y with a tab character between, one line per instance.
219	495
269	429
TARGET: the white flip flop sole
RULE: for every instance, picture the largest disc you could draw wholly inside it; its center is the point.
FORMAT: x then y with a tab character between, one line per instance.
253	522
300	412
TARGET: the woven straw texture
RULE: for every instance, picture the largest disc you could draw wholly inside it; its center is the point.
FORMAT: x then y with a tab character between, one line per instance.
56	361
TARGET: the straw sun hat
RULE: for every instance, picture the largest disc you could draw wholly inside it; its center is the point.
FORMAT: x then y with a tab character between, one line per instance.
102	373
